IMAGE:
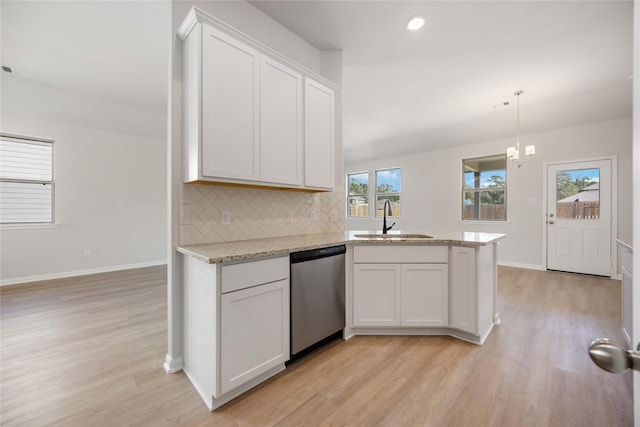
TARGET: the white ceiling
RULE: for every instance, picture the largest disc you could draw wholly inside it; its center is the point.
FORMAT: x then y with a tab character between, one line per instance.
402	91
112	50
406	91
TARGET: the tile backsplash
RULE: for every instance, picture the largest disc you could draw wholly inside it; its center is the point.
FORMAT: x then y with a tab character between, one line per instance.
255	213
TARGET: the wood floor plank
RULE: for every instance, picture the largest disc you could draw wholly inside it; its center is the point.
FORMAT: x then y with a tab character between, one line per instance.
88	351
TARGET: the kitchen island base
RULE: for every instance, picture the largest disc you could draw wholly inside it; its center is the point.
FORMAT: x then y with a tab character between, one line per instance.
406	289
464	336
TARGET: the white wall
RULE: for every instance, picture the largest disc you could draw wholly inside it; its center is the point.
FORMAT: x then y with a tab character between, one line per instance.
110	185
432	182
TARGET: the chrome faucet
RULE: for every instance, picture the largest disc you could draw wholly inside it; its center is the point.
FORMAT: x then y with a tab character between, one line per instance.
386	209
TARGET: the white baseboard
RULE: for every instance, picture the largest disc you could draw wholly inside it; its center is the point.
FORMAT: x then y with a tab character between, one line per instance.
521	265
27	279
172	365
540	268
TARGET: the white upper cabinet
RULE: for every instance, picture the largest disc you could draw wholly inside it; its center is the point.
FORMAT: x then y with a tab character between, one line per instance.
280	123
248	116
230	83
319	135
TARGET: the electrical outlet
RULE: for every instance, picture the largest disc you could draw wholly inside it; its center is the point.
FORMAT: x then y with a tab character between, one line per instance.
289	216
313	216
86	253
334	215
226	218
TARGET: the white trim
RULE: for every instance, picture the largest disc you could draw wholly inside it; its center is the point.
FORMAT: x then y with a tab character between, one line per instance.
613	270
196	15
500	223
39	278
423	331
26	137
172	365
347	195
28	226
521	265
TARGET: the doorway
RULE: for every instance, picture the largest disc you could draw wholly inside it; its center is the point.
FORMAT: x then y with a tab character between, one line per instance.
579	216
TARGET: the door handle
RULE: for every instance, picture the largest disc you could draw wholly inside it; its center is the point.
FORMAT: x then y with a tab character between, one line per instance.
550	222
612	357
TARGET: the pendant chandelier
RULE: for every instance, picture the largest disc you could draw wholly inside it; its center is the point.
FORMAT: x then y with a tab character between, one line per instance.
513	153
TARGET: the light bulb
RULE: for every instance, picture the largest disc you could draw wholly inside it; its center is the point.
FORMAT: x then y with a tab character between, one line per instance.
415	23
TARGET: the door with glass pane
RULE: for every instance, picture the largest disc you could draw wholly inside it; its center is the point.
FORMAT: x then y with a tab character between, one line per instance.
579	217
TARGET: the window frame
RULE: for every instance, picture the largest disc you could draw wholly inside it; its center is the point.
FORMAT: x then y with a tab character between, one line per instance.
479	190
36	141
349	194
375	193
372	193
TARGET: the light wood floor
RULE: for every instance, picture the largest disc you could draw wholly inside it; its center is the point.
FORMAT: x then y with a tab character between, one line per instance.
89	351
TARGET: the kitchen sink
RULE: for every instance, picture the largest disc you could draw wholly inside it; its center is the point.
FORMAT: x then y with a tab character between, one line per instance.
393	236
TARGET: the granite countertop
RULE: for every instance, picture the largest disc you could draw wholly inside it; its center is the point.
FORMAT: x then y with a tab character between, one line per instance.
259	248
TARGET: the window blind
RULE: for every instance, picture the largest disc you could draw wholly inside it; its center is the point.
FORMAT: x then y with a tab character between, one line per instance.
26	180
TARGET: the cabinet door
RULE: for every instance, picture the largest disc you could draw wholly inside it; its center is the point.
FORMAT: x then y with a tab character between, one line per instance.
319	135
376	295
230	79
463	290
425	295
254	332
280	123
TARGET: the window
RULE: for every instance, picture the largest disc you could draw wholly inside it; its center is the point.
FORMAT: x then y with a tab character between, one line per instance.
578	194
26	180
388	187
358	195
484	188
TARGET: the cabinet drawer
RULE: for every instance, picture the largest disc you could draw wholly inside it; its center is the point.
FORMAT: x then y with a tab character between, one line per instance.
245	275
400	254
627	259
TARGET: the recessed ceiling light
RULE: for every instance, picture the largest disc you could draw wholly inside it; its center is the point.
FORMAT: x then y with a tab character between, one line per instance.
415	23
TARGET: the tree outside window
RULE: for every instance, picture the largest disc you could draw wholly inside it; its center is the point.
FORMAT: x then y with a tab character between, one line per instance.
578	194
485	188
358	196
388	187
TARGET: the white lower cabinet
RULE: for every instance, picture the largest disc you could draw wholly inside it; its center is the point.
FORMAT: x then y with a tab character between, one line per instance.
236	325
376	295
463	289
424	290
254	333
398	294
424	293
474	279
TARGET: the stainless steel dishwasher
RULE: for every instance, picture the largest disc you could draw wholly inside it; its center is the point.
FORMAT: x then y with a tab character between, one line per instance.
317	298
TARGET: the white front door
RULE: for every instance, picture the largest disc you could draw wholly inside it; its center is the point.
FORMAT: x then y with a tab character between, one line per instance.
579	217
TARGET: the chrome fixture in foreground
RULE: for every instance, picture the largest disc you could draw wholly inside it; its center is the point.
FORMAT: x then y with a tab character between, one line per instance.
612	357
